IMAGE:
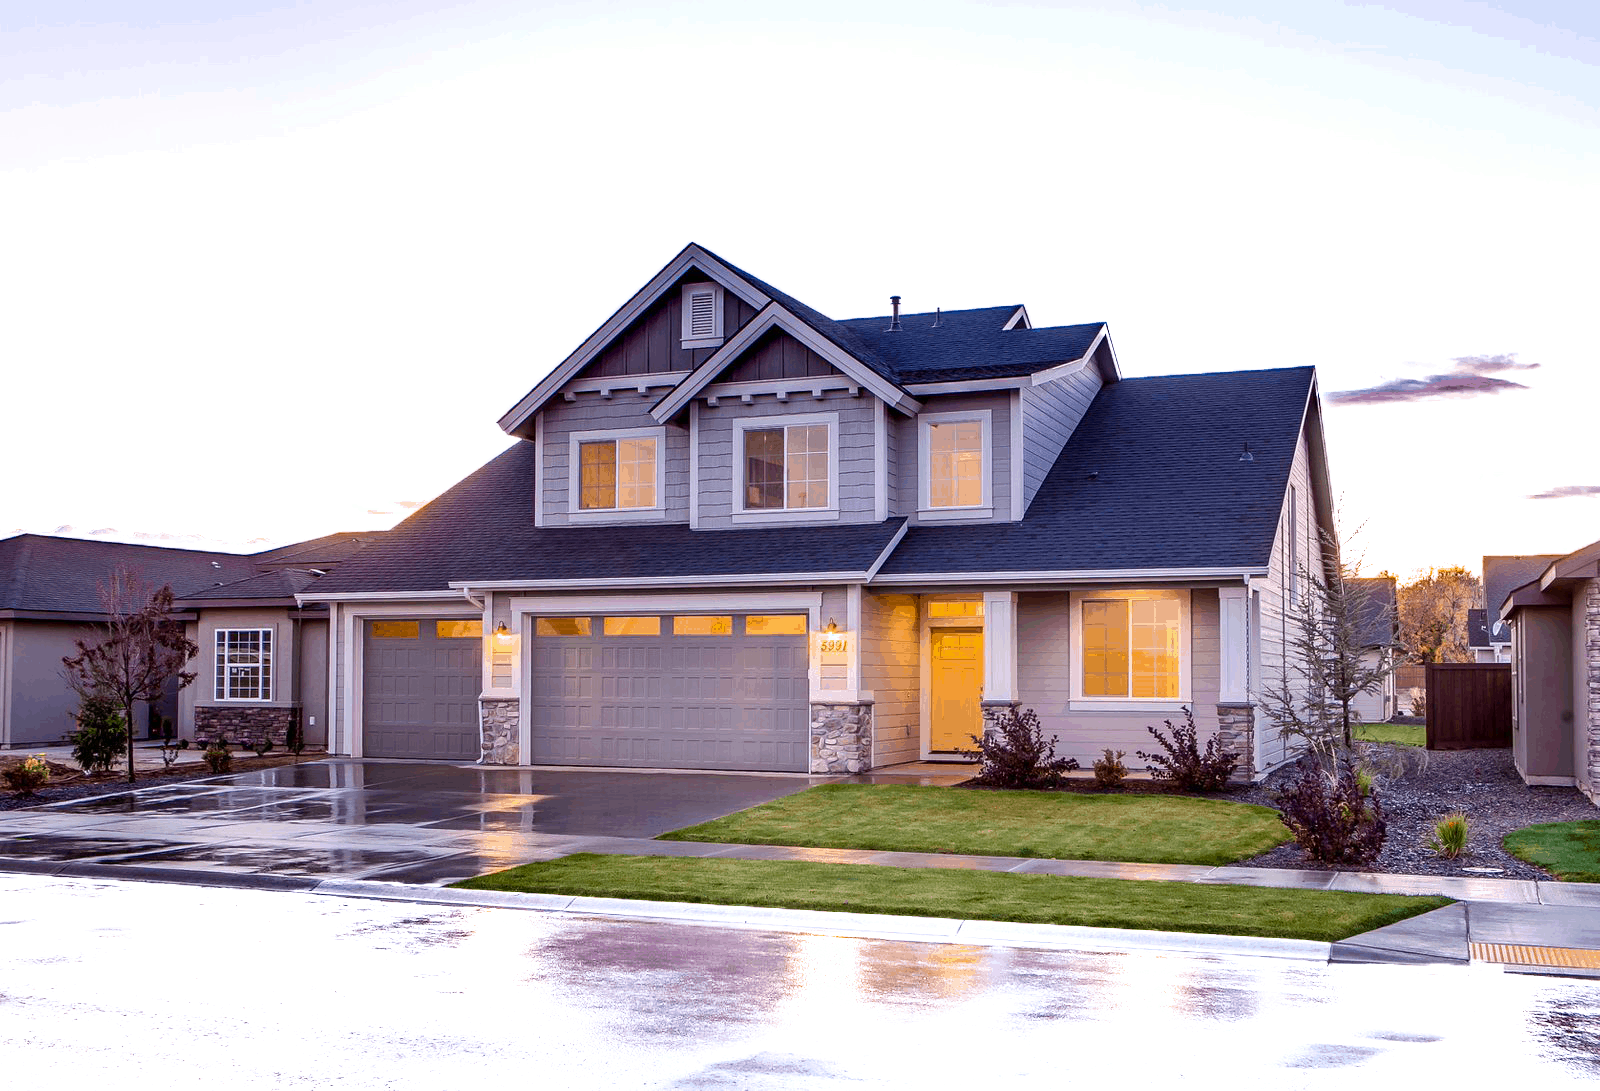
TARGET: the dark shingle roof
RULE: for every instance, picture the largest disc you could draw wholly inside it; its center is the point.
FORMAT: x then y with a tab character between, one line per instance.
323	552
482	529
1477	628
1379	607
1503	575
1170	491
44	574
280	584
970	344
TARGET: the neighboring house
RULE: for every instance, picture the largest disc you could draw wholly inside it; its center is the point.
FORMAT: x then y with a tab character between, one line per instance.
50	595
1379	634
1555	671
1501	575
733	533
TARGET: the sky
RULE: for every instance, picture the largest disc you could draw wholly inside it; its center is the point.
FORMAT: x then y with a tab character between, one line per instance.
270	270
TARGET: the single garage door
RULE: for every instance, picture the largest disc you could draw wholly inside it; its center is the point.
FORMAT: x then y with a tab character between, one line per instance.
684	692
420	688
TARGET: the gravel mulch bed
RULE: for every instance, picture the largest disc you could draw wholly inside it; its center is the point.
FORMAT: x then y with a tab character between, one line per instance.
1421	786
67	783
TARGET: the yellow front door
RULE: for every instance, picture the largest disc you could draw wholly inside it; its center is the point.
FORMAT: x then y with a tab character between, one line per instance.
956	658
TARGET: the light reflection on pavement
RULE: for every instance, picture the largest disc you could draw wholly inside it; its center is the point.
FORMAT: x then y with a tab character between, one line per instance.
171	986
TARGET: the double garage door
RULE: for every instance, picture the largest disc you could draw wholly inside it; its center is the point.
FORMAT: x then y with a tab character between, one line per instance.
647	691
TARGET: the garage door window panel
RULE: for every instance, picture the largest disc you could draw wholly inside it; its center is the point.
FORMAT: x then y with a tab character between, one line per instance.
632	626
561	626
244	664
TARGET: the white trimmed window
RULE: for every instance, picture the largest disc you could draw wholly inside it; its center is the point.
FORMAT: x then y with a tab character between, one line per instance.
616	471
1130	646
788	463
244	665
953	463
702	315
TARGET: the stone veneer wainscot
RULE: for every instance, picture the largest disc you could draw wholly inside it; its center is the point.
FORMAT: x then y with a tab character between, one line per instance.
841	738
244	725
499	733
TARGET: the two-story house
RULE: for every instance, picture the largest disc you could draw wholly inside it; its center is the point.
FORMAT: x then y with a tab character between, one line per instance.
734	533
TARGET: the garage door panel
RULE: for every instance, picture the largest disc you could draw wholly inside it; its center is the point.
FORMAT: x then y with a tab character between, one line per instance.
420	695
713	701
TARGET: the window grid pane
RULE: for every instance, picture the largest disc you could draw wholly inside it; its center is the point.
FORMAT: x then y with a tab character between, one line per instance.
244	665
763	456
955	464
597	464
1105	648
636	473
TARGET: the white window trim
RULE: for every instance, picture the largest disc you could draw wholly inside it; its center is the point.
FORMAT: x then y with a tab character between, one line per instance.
686	335
269	669
742	514
926	512
1080	703
578	514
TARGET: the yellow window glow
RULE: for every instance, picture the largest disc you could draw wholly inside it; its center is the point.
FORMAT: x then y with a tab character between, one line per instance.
633	626
395	630
561	626
702	625
775	625
458	630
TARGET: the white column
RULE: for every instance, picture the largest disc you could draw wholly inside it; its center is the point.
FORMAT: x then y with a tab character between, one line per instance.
853	619
1000	646
1234	638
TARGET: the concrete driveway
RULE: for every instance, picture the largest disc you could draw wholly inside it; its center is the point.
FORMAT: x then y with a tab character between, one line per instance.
397	821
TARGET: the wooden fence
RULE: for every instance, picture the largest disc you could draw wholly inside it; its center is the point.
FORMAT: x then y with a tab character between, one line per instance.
1469	705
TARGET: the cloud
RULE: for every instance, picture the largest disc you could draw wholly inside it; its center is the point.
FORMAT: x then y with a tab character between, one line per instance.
1561	492
409	504
1471	375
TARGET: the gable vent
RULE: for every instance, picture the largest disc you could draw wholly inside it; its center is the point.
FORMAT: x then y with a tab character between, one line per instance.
702	314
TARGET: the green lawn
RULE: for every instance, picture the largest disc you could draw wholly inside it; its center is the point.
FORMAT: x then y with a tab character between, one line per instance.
1568	850
1404	734
1155	829
984	895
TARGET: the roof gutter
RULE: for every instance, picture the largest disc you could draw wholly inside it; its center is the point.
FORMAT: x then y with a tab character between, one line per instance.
730	579
380	596
1082	575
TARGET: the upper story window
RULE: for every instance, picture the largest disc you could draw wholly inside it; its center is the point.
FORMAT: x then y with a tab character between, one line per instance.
702	315
244	665
788	462
953	457
616	471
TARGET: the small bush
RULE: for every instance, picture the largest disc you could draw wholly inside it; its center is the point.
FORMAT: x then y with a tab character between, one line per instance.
28	775
102	736
1419	702
1017	755
1332	819
261	746
218	759
1109	770
1449	835
1183	766
295	740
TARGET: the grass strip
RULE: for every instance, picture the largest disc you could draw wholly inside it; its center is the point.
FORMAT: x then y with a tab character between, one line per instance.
1568	850
1150	829
966	895
1404	734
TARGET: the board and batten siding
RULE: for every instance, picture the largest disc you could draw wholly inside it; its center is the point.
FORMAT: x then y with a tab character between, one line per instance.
721	468
777	355
654	342
891	671
1269	665
907	438
1044	680
625	409
1050	412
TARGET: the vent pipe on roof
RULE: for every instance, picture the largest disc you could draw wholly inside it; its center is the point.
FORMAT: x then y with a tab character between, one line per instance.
1247	456
894	321
938	317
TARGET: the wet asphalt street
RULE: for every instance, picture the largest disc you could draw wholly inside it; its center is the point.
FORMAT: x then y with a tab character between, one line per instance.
153	985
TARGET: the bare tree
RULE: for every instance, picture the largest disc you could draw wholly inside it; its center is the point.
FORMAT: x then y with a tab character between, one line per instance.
138	651
1333	620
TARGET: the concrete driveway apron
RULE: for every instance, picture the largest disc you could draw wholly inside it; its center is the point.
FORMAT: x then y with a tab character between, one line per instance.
397	821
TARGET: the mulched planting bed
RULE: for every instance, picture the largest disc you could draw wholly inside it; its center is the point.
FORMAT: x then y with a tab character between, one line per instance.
1424	786
66	782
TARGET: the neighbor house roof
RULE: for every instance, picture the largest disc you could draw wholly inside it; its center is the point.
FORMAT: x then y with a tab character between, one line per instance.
1502	575
41	574
1478	628
1378	604
278	585
1550	584
482	531
1150	480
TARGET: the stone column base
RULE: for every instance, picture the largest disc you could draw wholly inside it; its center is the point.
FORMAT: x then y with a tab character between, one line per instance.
1236	735
841	738
498	736
244	725
996	714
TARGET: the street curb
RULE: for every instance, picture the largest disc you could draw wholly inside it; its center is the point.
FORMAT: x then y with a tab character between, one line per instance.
75	869
981	933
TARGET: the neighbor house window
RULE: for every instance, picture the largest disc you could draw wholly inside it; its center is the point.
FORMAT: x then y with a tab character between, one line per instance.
244	664
1131	644
788	466
953	456
616	472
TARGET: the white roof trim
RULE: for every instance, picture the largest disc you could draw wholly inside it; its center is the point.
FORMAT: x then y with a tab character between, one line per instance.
690	257
889	549
1082	575
962	386
1019	320
775	314
377	596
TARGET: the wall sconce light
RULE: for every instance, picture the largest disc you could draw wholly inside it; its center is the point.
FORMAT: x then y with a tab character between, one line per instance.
832	628
502	635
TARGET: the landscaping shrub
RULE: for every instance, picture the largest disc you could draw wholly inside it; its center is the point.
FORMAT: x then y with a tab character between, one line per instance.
1183	766
101	736
1109	770
1449	837
28	775
295	740
218	759
261	746
1017	755
1332	819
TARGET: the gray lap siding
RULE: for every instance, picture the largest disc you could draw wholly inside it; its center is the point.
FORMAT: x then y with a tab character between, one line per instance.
625	409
